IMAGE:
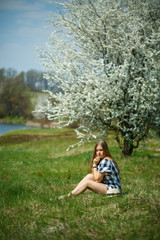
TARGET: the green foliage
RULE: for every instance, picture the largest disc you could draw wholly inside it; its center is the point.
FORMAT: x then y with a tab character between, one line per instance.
2	70
14	98
14	119
35	172
34	79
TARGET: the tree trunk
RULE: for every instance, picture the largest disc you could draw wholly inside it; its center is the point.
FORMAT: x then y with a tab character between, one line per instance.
127	149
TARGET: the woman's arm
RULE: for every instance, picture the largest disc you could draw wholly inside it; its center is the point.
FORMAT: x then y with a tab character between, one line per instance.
97	175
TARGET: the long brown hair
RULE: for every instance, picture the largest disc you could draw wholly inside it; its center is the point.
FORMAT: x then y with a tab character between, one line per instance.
104	145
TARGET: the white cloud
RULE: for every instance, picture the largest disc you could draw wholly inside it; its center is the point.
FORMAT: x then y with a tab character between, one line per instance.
32	17
35	14
36	35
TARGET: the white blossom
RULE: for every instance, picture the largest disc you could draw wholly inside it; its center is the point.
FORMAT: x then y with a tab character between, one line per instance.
105	57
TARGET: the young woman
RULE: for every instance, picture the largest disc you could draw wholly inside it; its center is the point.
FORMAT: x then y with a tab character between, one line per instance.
104	174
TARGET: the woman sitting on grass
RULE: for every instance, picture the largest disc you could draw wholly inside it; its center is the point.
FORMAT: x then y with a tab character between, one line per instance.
104	177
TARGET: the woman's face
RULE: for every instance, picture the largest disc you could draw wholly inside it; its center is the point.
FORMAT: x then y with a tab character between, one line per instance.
100	152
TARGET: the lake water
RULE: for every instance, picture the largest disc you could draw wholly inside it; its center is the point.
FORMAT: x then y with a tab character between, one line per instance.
4	127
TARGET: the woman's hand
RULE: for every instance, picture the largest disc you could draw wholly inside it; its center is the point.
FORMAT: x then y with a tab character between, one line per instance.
96	160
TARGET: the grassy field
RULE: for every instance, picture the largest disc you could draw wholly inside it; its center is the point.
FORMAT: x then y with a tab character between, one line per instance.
35	169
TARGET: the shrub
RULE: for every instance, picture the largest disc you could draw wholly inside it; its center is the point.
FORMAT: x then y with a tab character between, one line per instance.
14	98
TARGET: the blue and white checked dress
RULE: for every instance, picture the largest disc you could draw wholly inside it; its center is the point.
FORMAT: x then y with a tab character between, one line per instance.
111	177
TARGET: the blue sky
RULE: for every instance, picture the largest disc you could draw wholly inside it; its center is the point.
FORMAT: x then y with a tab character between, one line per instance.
22	26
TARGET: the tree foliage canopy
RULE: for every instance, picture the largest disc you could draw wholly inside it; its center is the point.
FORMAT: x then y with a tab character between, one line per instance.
105	57
14	99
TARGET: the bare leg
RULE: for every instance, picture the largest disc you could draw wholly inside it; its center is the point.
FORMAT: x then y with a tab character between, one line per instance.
81	183
89	184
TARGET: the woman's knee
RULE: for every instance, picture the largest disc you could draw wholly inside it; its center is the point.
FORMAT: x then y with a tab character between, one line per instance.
90	177
87	182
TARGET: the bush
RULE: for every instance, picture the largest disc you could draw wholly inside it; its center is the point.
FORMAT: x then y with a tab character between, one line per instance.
14	98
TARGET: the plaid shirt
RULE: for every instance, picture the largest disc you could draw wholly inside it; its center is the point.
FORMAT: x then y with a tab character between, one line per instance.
111	177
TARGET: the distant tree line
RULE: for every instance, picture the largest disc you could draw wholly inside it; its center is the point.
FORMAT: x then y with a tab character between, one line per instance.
15	91
33	79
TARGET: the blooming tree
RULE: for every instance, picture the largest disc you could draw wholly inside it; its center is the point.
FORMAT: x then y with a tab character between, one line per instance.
104	54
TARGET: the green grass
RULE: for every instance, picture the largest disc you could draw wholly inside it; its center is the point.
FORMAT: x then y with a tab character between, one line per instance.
36	169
